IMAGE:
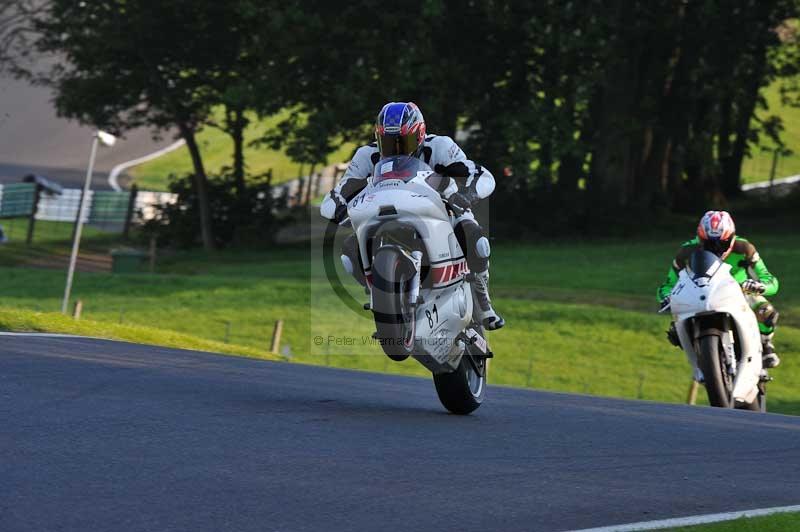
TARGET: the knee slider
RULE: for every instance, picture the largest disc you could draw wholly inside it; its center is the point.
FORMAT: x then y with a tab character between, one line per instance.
767	315
347	264
482	248
472	232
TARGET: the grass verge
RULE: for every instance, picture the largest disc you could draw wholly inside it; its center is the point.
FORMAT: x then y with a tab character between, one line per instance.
770	523
580	317
53	322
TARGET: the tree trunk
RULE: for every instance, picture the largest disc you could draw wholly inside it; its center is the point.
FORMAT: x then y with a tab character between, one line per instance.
571	167
724	140
200	185
732	179
236	124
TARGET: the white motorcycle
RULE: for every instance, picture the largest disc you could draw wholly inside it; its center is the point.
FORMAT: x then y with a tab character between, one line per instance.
719	333
417	276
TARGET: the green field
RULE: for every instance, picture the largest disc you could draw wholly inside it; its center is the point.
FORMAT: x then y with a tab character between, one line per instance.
580	316
759	165
772	523
217	150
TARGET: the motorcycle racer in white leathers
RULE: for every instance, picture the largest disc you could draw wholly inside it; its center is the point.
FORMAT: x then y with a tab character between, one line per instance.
400	130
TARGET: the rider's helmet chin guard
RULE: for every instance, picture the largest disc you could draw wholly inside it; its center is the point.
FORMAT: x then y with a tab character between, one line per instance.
717	233
400	129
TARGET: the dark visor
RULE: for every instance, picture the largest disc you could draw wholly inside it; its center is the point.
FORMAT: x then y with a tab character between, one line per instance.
392	144
717	247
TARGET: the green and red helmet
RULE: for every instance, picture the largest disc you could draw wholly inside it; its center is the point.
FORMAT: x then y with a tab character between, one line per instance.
400	129
717	233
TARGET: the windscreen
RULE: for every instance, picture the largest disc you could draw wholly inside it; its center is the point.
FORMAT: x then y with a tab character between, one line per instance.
703	264
402	167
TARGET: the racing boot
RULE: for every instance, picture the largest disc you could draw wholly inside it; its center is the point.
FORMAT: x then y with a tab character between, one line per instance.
769	357
486	315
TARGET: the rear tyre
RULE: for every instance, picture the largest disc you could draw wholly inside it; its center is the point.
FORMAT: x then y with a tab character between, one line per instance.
462	391
394	318
718	384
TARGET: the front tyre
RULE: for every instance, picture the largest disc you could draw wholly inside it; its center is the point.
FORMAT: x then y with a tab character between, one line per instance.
719	385
462	391
394	317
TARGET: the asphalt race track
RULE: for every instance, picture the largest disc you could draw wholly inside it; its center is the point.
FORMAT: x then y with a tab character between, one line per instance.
98	435
34	140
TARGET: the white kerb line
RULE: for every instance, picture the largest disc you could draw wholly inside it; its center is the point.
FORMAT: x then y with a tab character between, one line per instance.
117	170
765	184
691	520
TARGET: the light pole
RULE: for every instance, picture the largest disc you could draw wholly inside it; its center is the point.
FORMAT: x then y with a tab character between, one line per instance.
106	139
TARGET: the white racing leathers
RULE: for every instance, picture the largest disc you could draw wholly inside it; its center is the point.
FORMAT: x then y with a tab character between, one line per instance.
439	152
467	178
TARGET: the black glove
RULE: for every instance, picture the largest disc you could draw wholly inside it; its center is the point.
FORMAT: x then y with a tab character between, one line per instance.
751	286
663	304
672	335
457	169
460	201
340	214
340	211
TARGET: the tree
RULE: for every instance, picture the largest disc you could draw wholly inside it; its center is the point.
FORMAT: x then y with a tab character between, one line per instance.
17	31
160	64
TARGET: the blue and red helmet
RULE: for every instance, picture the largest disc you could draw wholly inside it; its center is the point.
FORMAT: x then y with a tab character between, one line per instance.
400	129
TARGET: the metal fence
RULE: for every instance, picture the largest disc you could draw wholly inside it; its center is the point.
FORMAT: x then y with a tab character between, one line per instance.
23	204
105	210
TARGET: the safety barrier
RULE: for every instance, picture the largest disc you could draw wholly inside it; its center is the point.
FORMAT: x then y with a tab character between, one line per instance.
105	210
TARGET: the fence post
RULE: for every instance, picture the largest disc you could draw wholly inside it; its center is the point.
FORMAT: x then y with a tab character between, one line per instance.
692	397
530	371
131	211
318	184
37	192
640	390
77	309
310	184
152	254
284	201
276	337
308	189
300	187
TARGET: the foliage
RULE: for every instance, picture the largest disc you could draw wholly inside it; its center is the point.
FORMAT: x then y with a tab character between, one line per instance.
591	113
216	147
240	217
601	111
165	65
17	32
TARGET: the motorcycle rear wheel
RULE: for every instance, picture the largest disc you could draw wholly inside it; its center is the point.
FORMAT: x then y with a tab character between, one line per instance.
463	391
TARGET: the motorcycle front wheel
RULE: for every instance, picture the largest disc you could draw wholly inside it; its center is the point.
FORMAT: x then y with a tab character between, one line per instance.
719	385
394	317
